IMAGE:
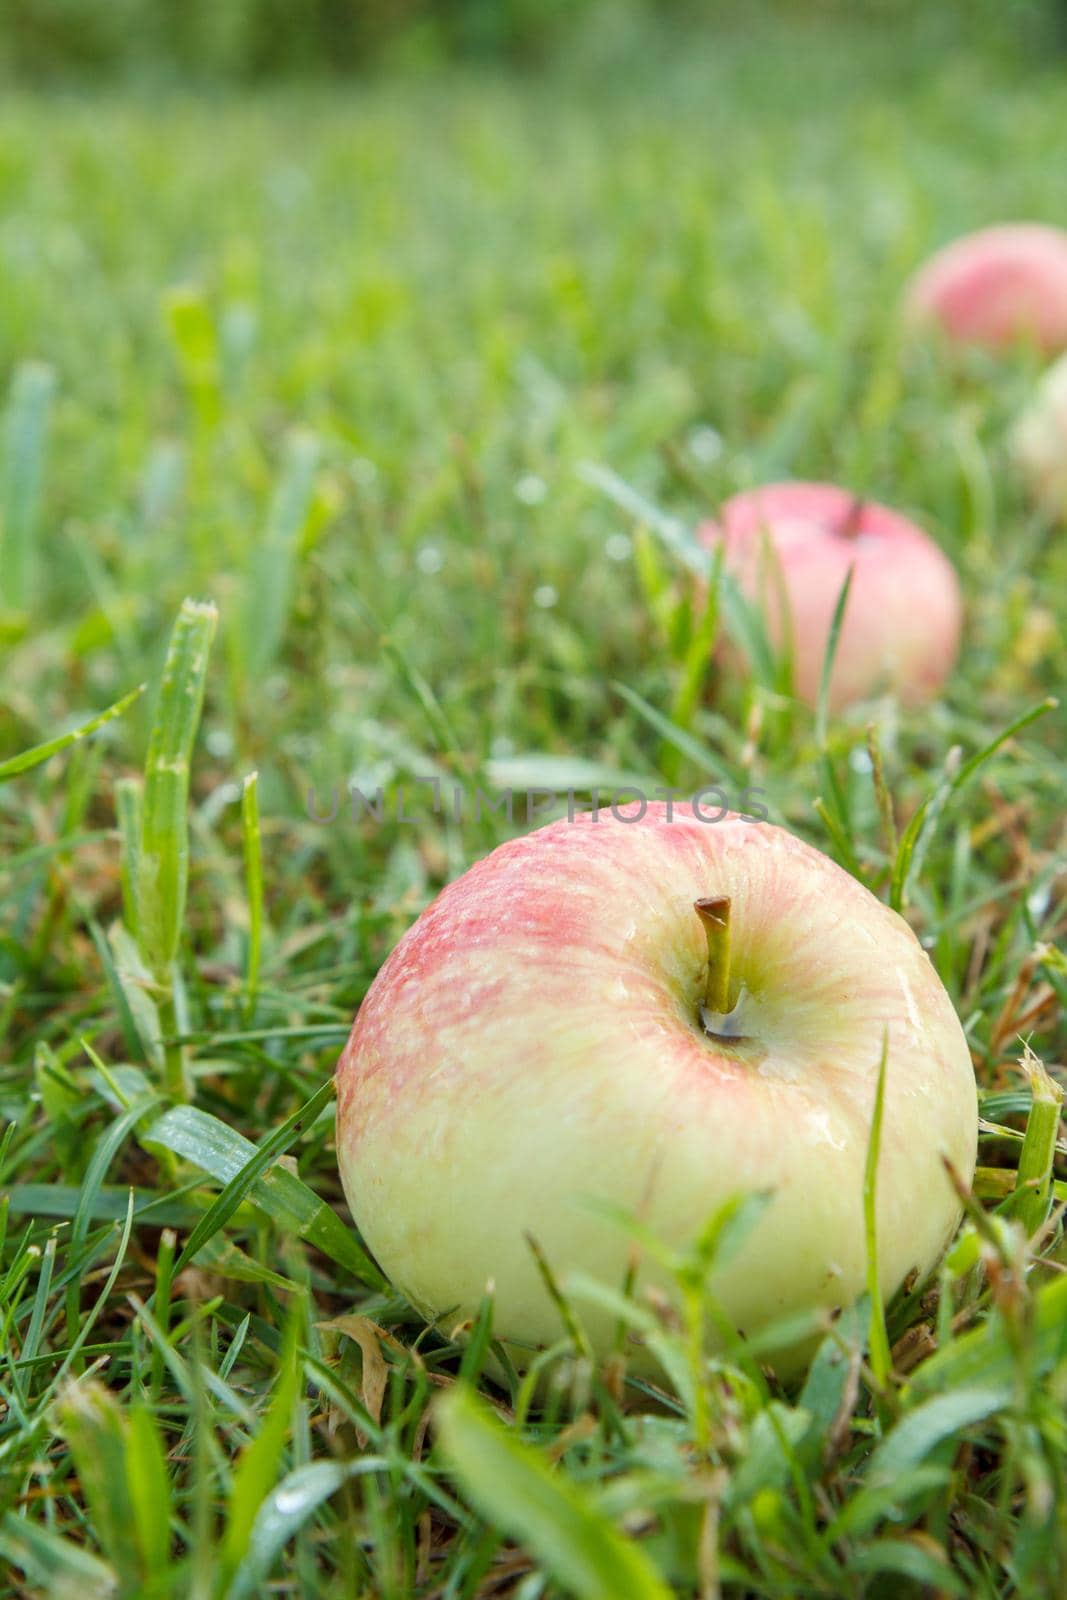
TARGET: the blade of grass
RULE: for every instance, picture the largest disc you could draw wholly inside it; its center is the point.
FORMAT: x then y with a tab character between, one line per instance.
670	530
696	666
94	1428
822	704
129	797
702	758
969	768
131	986
988	1355
928	1425
882	794
32	1337
192	333
270	580
652	577
258	1467
557	1521
920	829
272	1147
437	719
164	862
149	1490
51	1560
25	439
915	1563
828	816
922	821
878	1341
286	1509
253	856
477	1347
42	752
103	1299
107	1148
215	1148
1032	1197
747	624
108	1205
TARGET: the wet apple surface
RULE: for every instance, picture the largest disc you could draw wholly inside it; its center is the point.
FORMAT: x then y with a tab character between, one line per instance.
789	547
1039	442
538	1046
1000	286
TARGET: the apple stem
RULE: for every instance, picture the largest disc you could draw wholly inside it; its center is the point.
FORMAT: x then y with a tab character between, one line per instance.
850	524
714	913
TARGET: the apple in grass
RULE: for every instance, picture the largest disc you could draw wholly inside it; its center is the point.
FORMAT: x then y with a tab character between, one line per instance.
1039	442
1000	286
790	546
661	1013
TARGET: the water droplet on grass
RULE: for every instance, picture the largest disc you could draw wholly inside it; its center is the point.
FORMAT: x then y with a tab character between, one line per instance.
531	490
705	444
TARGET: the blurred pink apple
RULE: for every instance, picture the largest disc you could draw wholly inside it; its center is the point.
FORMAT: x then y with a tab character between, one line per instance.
1039	442
659	1013
789	547
1000	286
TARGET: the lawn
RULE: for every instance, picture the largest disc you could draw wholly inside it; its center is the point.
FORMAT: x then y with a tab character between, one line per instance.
415	381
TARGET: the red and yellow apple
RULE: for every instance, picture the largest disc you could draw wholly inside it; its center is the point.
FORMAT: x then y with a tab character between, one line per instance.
1039	442
663	1014
1000	286
789	547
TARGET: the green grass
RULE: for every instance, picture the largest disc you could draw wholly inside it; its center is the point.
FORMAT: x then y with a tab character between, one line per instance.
341	362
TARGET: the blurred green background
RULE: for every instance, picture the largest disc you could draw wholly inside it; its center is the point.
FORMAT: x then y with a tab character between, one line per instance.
255	39
413	302
322	312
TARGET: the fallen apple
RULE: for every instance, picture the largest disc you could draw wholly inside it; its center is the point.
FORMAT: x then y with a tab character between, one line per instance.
789	547
1000	286
1039	442
663	1014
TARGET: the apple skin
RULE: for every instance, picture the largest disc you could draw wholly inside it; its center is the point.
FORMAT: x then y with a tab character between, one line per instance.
533	1043
1039	442
904	617
1001	286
